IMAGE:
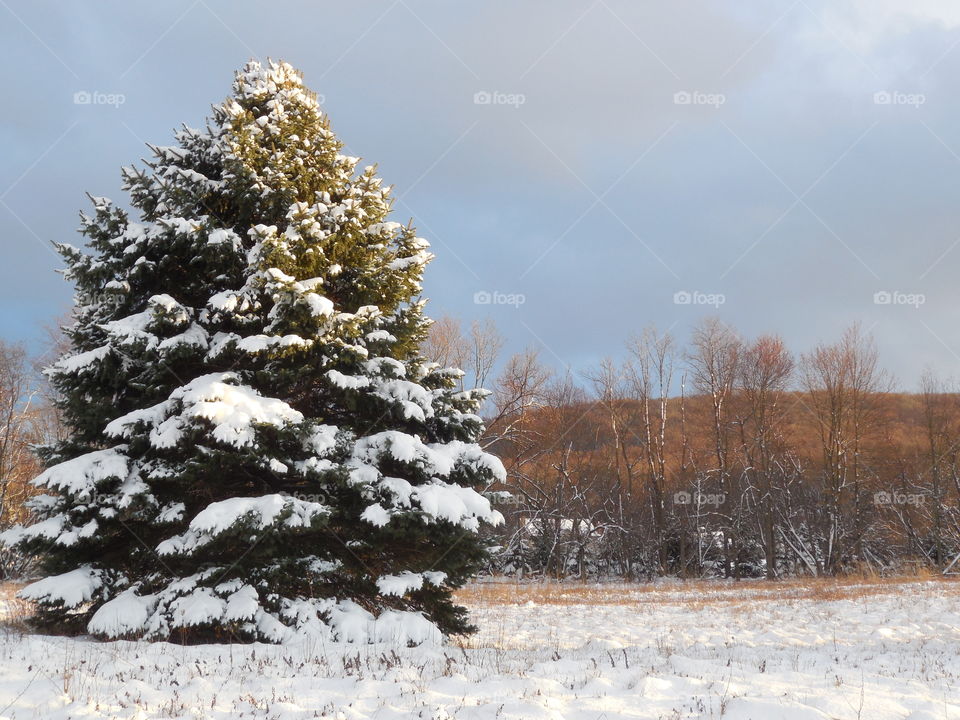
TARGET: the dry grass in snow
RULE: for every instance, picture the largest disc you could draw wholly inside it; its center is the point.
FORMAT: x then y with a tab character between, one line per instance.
866	649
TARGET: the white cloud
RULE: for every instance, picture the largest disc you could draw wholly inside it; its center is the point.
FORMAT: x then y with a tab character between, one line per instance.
864	24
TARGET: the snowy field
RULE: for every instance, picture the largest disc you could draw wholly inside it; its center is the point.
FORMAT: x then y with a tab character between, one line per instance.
869	649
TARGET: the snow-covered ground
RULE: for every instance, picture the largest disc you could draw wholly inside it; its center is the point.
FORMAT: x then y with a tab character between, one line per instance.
793	651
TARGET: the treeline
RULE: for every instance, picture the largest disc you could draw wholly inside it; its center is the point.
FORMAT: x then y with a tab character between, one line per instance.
27	418
719	457
723	457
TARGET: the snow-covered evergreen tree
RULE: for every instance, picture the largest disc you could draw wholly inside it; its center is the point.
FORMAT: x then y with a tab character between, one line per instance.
258	448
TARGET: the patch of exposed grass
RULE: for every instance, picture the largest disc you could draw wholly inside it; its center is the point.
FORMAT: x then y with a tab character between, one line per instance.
13	611
698	593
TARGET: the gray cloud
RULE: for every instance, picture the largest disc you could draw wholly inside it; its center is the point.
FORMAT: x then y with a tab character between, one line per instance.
706	191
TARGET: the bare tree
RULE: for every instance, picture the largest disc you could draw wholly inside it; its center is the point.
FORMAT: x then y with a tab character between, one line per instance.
519	389
48	418
713	362
650	375
764	372
931	529
18	430
476	353
620	460
485	343
548	476
445	344
843	383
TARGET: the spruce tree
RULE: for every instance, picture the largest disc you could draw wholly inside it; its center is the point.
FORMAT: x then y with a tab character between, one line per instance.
258	447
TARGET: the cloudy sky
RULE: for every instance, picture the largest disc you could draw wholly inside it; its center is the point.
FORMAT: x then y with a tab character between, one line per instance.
582	169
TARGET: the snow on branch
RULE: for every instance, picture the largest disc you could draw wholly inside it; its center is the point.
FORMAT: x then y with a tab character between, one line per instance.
257	513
